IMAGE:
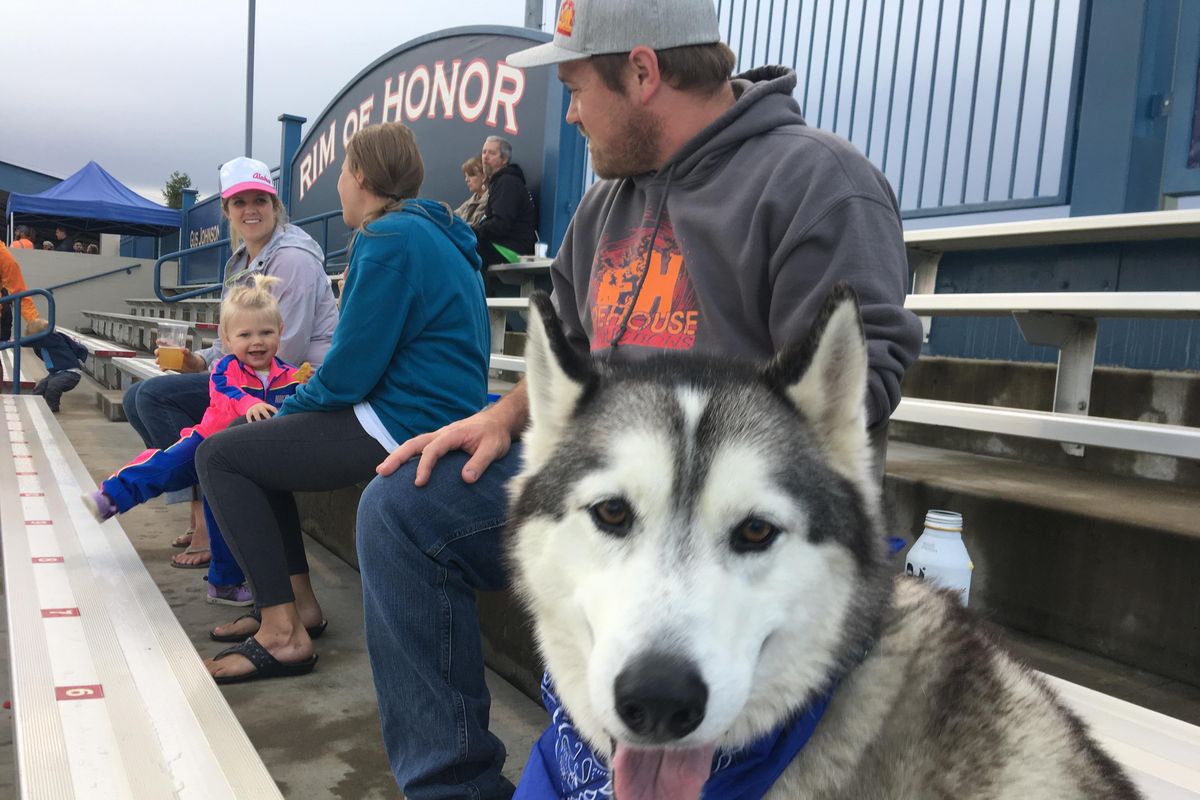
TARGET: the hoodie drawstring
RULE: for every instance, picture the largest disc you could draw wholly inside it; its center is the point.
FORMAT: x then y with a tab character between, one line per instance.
662	204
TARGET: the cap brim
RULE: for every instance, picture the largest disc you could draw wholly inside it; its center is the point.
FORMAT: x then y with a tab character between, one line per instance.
543	54
246	186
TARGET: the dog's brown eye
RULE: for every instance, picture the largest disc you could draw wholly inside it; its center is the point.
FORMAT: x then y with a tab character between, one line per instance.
612	515
753	533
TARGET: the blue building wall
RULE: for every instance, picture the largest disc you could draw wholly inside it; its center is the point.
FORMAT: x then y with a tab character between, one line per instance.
24	181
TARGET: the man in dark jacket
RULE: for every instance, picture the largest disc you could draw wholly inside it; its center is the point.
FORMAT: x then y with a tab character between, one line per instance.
62	356
510	219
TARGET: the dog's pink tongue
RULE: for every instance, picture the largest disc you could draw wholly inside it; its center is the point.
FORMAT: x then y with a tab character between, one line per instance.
661	774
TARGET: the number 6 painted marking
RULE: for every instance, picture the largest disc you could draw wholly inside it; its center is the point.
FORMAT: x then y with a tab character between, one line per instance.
92	692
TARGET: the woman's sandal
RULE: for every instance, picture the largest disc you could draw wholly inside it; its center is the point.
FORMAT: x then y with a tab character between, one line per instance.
191	551
265	664
184	539
313	633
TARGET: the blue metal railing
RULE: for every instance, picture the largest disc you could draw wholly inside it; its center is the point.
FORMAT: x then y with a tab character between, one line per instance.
19	341
212	287
920	87
324	220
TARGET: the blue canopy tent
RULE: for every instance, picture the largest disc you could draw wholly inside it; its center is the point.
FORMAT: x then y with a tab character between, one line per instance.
93	201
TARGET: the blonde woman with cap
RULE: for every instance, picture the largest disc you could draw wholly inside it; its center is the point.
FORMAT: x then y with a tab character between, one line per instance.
264	243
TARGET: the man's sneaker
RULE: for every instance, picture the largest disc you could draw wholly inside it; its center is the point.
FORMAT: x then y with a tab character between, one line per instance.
100	504
234	595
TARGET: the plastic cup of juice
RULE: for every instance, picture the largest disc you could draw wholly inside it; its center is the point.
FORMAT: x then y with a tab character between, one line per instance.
172	341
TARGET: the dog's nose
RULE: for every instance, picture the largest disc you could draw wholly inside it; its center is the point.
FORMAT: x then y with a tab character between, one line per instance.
661	696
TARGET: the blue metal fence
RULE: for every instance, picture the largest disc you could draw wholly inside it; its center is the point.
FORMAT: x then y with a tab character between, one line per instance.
966	105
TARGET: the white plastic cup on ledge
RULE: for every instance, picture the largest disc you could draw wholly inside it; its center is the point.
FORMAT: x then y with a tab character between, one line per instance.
541	250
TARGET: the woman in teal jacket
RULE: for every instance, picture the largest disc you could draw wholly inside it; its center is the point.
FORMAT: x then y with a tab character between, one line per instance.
409	355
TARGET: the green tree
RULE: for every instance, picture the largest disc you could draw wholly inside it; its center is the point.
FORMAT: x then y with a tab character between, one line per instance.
173	191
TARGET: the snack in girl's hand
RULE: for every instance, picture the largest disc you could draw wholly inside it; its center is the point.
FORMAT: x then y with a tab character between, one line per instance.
304	372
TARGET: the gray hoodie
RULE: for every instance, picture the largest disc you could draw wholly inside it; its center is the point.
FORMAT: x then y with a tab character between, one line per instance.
756	218
305	299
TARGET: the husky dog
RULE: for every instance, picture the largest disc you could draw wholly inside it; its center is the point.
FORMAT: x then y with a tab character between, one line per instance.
698	541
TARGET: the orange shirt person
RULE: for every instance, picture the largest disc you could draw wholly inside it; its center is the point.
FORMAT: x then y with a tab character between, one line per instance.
13	282
22	239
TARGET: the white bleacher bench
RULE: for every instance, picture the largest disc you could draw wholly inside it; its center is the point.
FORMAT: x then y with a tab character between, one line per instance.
522	273
1066	320
32	369
925	247
498	309
132	370
138	332
109	696
507	363
1160	754
98	363
194	309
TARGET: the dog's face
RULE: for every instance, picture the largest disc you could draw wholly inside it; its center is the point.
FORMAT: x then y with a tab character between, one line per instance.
690	537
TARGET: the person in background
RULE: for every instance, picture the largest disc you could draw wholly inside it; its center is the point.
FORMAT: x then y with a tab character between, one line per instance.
411	350
12	282
93	249
509	218
472	209
22	238
263	243
63	243
78	246
63	357
47	245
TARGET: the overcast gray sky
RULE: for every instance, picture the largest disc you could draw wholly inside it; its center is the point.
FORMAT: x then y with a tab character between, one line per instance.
145	87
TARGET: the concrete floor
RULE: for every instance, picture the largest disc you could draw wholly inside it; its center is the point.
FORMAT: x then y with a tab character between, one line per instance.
319	734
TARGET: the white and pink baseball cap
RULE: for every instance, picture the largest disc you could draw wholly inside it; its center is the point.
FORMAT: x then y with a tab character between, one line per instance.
243	174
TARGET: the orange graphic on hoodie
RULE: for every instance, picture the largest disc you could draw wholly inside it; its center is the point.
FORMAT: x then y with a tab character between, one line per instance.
665	313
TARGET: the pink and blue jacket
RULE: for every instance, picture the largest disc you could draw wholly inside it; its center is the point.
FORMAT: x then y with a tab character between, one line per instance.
233	388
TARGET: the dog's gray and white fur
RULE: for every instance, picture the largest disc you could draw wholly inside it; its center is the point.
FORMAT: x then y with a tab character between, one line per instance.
695	522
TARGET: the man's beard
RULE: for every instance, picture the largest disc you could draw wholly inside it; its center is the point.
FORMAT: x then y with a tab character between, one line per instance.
635	147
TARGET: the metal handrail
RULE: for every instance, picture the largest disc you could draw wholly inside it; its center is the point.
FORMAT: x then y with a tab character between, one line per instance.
178	254
175	298
128	270
323	218
17	341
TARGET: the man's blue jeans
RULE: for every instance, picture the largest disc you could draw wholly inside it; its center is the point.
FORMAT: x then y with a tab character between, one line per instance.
423	553
158	409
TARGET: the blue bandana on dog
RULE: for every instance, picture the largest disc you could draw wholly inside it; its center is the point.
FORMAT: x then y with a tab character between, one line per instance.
562	766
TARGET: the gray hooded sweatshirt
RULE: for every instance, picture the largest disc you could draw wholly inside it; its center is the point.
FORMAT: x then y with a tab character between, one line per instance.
754	220
305	299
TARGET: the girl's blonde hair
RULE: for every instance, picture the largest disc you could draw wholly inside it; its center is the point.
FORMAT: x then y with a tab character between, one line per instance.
36	325
255	297
391	166
281	219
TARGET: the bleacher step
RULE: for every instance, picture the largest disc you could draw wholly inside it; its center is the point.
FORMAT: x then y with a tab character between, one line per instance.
1101	563
109	403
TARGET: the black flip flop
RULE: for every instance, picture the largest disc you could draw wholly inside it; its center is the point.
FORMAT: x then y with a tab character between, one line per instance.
265	664
313	633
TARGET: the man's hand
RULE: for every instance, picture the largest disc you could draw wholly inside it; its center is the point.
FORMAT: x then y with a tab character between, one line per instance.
260	411
484	435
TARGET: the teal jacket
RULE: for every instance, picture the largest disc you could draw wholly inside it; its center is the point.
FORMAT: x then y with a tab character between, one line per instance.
413	339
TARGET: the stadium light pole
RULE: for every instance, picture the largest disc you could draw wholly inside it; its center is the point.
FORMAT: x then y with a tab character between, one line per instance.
533	14
250	80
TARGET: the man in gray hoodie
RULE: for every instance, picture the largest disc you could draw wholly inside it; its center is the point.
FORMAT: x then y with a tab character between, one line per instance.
721	225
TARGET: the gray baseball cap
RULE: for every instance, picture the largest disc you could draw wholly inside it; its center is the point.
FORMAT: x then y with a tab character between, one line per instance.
595	27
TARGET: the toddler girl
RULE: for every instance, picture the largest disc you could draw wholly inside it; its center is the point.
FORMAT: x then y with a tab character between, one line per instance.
249	382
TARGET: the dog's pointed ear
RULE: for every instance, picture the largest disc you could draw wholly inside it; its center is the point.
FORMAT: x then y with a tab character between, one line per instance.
556	375
826	379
